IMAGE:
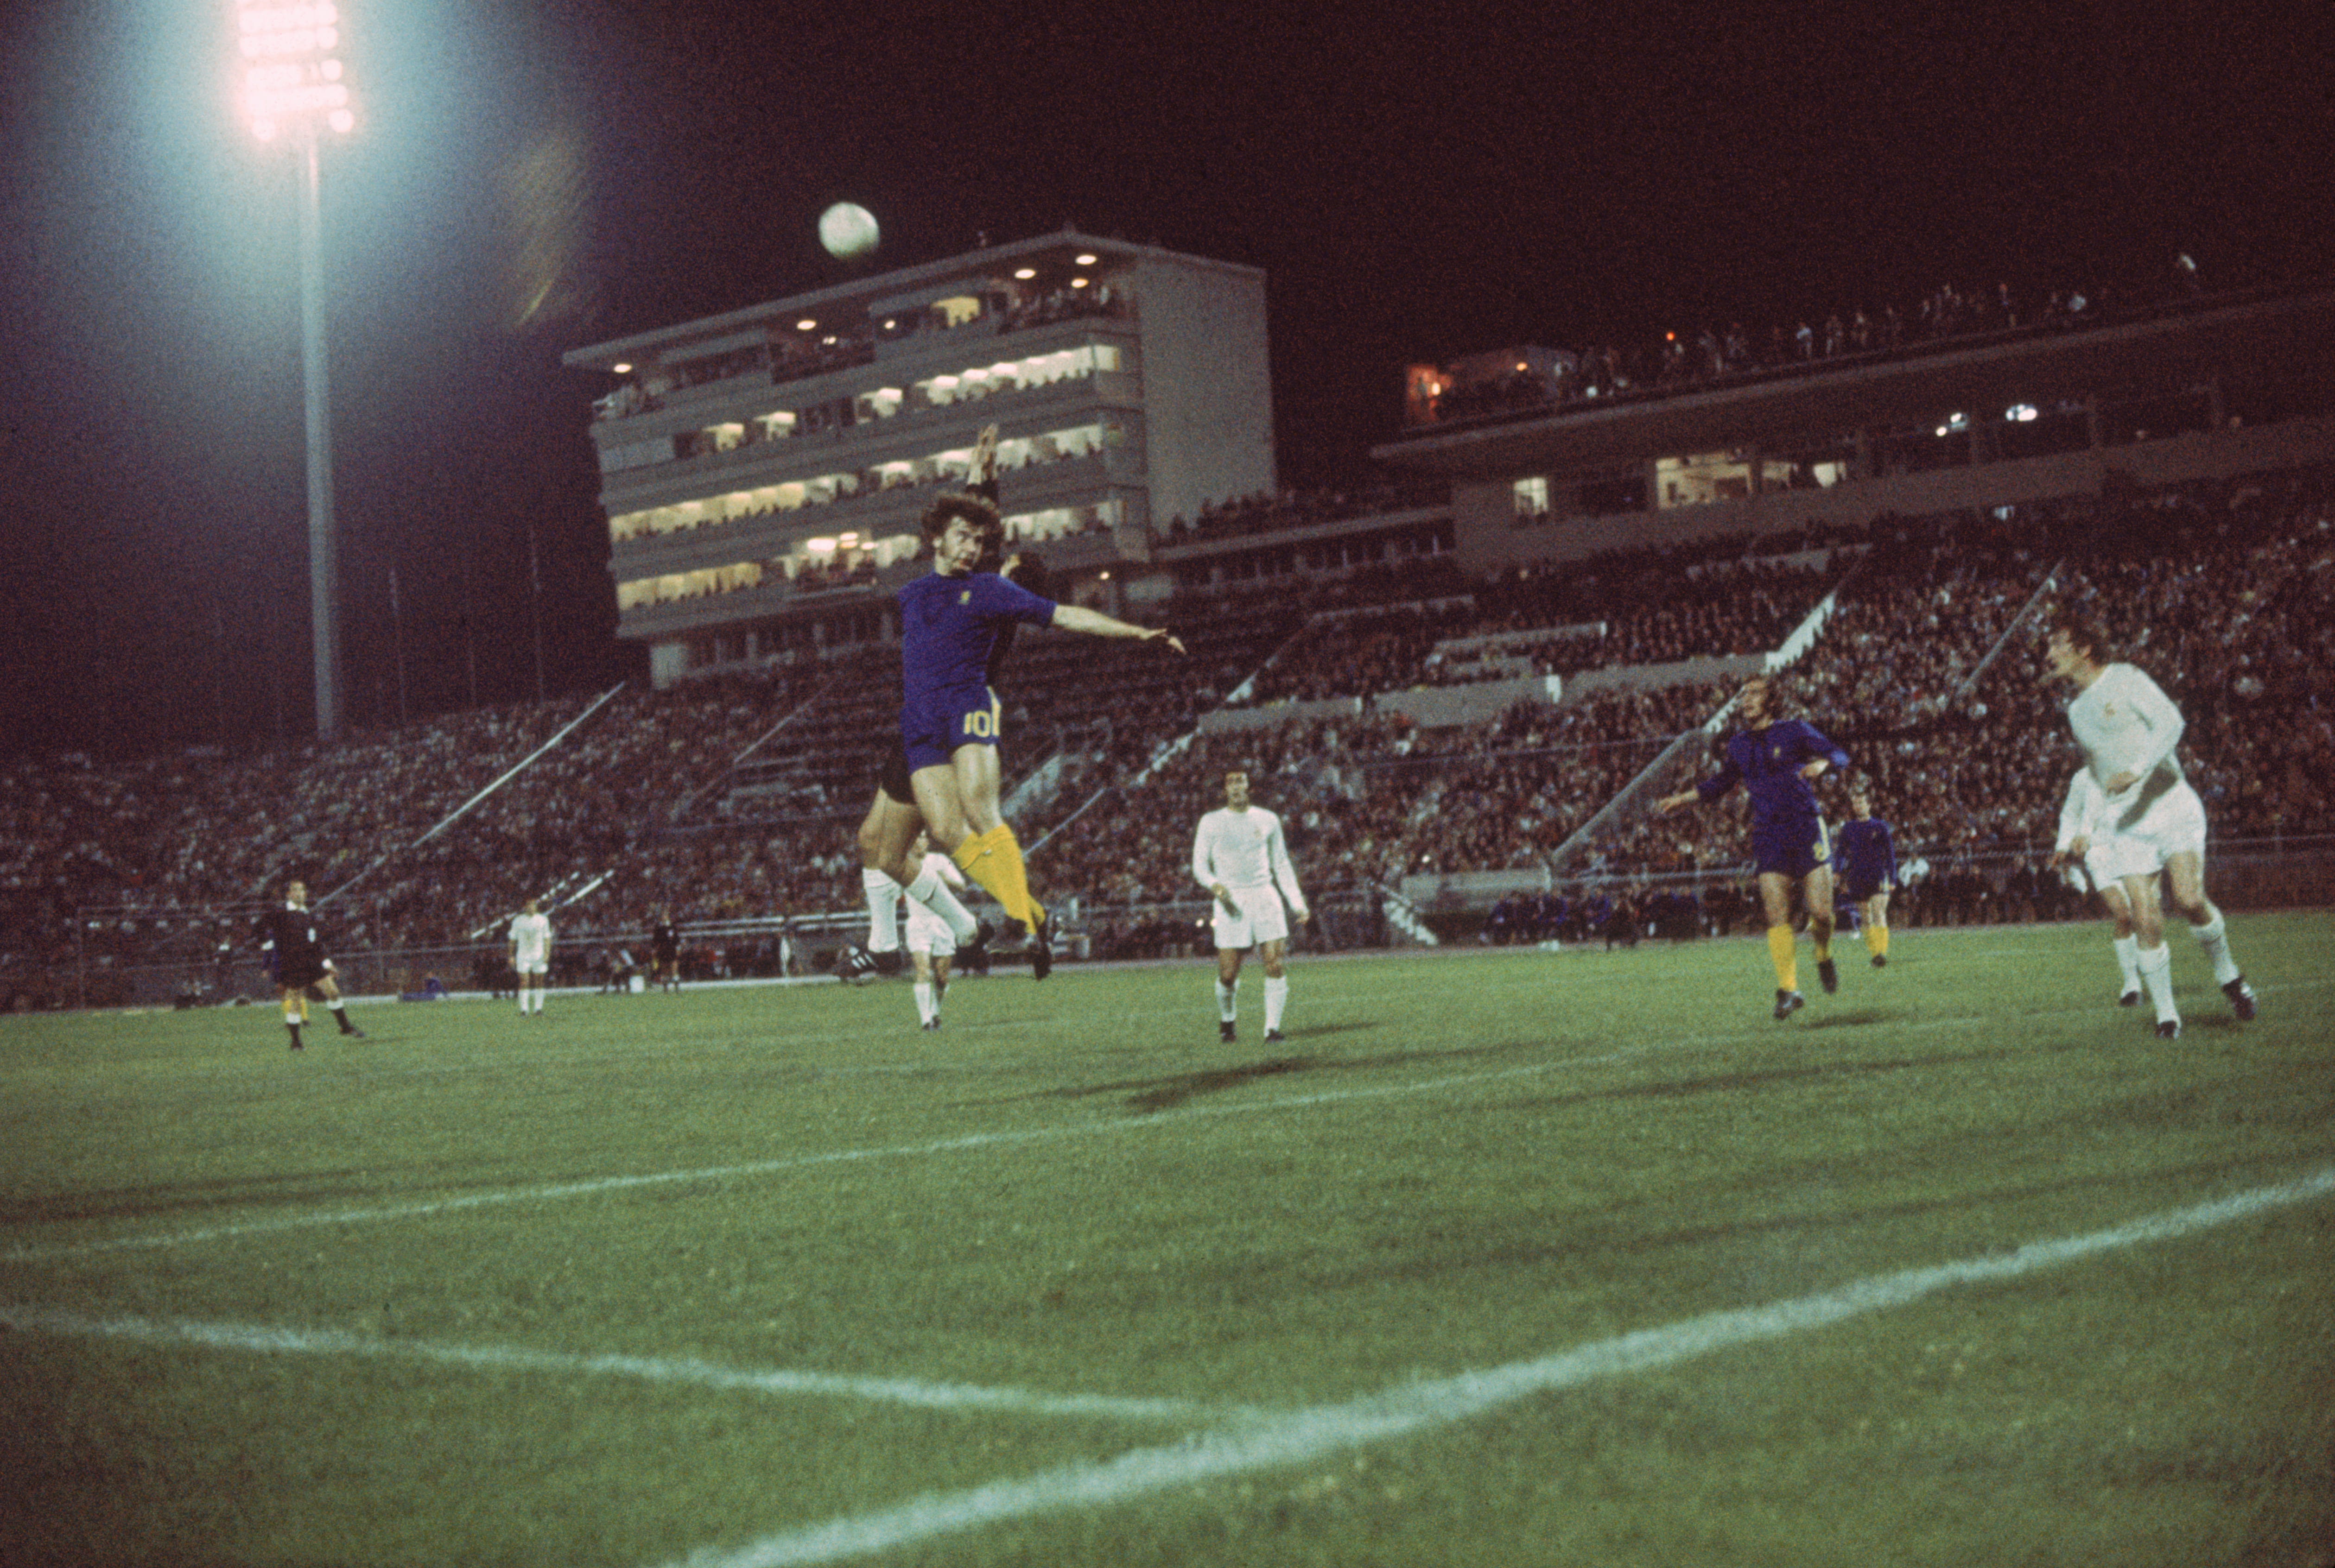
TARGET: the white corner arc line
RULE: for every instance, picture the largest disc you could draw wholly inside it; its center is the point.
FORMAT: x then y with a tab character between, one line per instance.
253	1338
1324	1429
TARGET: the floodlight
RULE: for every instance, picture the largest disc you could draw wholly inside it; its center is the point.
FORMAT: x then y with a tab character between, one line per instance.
294	77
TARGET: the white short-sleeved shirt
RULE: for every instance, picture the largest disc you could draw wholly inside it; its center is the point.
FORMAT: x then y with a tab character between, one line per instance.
530	936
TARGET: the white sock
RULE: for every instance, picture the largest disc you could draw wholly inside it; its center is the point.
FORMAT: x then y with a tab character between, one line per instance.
926	1005
883	910
933	893
2127	952
2157	974
1276	997
2213	937
1227	1002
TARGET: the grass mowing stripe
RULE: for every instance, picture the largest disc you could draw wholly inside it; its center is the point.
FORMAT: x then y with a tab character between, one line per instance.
263	1340
945	1146
1424	1407
598	1185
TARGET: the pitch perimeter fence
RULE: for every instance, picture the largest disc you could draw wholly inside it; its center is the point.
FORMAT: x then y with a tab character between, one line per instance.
150	960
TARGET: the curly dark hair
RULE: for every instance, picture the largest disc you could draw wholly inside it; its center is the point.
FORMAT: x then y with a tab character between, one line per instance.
980	514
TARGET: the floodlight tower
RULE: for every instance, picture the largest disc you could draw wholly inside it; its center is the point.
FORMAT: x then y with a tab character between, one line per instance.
294	87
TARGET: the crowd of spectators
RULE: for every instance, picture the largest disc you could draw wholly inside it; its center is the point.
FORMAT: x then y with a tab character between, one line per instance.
1927	671
1676	360
1265	512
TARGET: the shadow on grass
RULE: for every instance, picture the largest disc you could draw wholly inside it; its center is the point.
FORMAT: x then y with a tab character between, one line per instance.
1763	1078
263	1191
1864	1017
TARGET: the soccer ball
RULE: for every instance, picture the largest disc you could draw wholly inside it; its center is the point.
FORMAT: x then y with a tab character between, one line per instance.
848	231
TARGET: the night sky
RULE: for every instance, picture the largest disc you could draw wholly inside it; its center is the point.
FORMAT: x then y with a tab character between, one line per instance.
1418	182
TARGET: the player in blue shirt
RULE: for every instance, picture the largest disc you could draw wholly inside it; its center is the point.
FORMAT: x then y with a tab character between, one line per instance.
1778	761
1866	864
950	623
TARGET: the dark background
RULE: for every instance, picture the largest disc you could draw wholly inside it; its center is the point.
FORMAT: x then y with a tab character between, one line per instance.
1418	182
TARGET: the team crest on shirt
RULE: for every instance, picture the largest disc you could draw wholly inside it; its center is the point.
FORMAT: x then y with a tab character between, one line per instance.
965	597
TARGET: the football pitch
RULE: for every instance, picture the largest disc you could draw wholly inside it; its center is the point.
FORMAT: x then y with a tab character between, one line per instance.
1501	1258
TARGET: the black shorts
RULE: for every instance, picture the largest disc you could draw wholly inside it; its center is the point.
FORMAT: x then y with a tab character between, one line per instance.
893	777
300	977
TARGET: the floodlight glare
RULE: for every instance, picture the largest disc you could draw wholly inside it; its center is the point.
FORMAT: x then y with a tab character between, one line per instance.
293	80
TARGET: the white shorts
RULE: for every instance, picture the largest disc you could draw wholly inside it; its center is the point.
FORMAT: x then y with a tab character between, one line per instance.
2173	824
1261	919
532	966
927	933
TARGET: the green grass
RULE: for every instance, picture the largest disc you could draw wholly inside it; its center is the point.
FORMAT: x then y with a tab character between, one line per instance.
1456	1164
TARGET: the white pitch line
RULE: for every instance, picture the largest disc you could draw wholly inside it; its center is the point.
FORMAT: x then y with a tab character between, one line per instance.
1310	1435
263	1341
598	1185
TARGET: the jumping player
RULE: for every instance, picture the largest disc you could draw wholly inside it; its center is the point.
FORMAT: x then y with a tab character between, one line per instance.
893	820
950	621
1778	760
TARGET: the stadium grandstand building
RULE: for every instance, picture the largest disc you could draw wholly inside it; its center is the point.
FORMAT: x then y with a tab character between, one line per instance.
1550	458
1549	461
763	472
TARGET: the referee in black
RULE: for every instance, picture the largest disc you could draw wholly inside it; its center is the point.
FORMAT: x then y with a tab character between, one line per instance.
294	947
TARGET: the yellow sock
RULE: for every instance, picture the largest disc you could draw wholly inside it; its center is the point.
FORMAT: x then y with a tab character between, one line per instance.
993	859
1876	941
1779	948
1822	941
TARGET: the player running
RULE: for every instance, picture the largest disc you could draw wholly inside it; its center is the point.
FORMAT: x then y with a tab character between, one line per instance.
1778	761
2129	728
1239	855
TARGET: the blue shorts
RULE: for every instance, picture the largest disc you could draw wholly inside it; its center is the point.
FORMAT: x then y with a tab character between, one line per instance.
932	727
1793	847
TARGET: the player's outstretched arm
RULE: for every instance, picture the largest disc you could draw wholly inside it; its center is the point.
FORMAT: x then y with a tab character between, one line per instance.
1095	624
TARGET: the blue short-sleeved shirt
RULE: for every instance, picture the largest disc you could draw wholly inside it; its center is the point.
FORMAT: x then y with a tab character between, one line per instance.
949	629
1788	830
1866	858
